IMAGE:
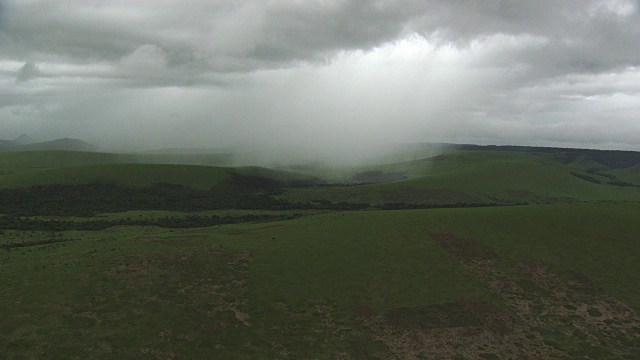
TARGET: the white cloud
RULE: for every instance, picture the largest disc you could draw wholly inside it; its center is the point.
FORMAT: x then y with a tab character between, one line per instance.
322	73
621	8
146	59
27	72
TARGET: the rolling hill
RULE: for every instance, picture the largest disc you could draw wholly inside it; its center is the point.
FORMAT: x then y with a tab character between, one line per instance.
458	176
477	176
138	175
148	256
58	144
25	143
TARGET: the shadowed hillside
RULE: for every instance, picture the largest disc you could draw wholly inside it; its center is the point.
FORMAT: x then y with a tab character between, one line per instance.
25	143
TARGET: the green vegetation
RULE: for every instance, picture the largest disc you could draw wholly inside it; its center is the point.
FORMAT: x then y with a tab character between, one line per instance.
255	290
476	176
629	175
105	259
25	169
139	175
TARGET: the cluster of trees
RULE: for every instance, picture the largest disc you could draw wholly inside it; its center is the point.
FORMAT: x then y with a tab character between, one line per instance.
89	199
588	178
622	183
371	177
613	181
247	193
189	221
405	206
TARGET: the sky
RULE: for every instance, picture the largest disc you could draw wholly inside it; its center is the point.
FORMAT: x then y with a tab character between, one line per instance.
326	74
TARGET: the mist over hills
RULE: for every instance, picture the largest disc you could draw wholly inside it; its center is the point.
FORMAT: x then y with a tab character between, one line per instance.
24	139
292	157
25	143
21	140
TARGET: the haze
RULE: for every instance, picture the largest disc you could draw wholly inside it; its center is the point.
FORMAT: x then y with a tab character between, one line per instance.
347	75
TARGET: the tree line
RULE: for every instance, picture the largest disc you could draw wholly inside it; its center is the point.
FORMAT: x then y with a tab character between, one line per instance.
91	199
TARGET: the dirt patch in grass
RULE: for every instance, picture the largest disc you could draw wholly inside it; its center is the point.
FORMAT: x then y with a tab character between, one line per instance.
543	316
576	305
207	291
465	312
363	311
464	249
133	269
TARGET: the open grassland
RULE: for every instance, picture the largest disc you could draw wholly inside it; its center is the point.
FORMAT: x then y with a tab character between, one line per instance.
630	175
139	175
477	176
70	168
14	162
543	281
539	281
455	177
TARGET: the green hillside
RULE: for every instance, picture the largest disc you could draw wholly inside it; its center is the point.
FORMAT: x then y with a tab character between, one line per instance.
24	169
630	175
12	162
271	265
141	175
477	176
549	281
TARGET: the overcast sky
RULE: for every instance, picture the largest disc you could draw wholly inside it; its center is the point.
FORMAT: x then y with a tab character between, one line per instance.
349	73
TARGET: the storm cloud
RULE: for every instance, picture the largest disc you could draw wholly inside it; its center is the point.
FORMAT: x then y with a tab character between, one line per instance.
346	74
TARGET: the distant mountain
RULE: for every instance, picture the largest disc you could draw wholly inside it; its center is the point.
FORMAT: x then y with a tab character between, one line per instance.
25	143
59	144
23	139
6	144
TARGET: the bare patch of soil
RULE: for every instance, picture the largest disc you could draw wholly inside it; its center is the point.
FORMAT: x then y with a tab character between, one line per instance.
183	275
462	313
363	311
547	317
464	249
133	268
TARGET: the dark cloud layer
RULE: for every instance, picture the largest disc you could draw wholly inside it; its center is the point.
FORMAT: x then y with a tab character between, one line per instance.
325	73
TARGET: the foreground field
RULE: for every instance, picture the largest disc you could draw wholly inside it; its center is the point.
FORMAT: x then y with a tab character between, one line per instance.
543	281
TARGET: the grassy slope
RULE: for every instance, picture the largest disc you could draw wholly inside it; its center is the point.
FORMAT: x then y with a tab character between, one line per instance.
26	161
583	163
201	177
630	175
21	169
15	162
152	293
483	176
468	176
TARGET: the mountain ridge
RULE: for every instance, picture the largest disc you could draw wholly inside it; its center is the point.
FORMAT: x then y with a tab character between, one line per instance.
25	143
